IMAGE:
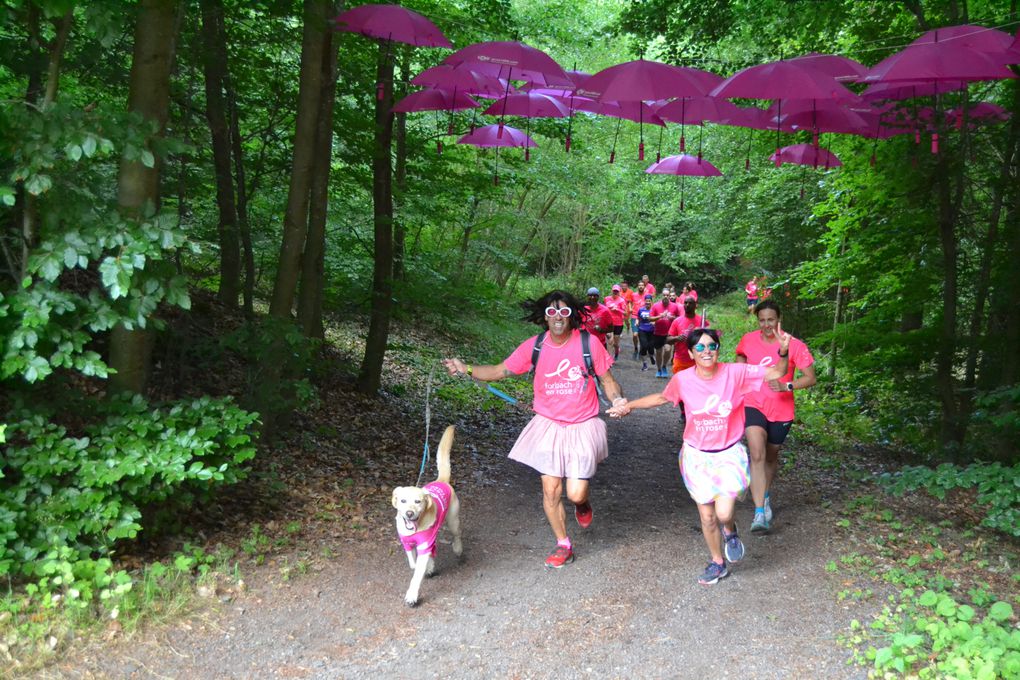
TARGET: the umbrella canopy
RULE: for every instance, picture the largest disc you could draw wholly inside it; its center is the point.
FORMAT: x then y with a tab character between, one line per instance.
391	22
634	111
491	136
519	61
806	154
434	100
909	90
782	80
935	62
842	121
977	38
528	105
578	78
840	68
462	79
697	110
982	111
684	164
642	80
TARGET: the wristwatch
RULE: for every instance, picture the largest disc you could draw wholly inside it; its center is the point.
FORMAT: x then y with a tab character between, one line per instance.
789	387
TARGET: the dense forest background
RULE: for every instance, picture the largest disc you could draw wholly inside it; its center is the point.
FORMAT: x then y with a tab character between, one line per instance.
186	185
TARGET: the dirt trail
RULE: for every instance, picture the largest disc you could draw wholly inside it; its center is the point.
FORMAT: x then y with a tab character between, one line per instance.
629	606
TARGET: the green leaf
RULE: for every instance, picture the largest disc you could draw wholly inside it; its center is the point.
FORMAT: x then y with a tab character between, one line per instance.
73	151
89	145
148	160
38	184
1000	611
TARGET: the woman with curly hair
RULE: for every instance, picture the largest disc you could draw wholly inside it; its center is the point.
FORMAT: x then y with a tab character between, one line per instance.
565	440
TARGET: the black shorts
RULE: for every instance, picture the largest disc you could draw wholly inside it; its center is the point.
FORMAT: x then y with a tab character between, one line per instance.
618	330
658	341
775	431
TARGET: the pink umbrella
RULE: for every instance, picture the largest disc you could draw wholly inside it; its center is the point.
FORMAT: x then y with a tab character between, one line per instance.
460	78
578	78
695	111
981	112
392	22
806	154
434	100
528	105
977	38
684	166
641	80
910	90
840	68
933	62
497	136
783	80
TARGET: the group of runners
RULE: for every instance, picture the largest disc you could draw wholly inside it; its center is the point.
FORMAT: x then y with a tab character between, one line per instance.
722	403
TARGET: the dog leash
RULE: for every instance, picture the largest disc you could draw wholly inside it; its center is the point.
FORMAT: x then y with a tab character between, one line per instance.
428	425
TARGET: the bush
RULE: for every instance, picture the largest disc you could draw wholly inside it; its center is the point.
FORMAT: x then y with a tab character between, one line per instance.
66	500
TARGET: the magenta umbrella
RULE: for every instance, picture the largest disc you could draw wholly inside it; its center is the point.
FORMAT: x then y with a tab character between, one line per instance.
528	105
684	165
806	154
497	136
434	100
641	80
840	68
910	90
932	62
977	38
695	111
783	80
391	22
460	78
980	112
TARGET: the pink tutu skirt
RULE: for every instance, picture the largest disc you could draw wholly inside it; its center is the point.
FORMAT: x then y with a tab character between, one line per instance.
708	476
562	450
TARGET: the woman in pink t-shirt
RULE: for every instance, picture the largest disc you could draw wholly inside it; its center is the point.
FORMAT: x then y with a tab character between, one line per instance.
769	412
565	440
713	462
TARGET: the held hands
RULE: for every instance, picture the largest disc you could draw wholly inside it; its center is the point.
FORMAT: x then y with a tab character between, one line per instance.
619	409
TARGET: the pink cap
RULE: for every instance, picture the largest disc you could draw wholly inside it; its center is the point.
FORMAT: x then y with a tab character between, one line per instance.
617	288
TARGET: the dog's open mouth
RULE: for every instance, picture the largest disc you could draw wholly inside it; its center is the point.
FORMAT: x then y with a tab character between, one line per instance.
409	524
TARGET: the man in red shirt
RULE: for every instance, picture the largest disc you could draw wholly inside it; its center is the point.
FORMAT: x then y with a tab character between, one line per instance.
597	319
662	313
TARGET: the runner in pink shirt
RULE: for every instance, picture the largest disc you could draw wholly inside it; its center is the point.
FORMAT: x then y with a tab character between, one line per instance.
617	305
713	462
751	289
565	440
769	412
662	313
597	319
649	288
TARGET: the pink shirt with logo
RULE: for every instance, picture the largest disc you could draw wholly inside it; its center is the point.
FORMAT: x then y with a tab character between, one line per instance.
617	308
714	408
598	315
662	325
562	392
424	541
776	406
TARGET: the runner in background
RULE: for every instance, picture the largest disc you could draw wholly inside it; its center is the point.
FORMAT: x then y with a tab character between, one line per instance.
678	331
646	332
617	306
635	312
769	412
629	295
662	314
751	289
597	320
649	288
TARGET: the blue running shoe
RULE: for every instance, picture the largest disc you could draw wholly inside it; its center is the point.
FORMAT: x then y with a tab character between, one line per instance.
732	546
713	572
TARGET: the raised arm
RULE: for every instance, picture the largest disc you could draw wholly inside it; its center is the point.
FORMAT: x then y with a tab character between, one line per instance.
779	370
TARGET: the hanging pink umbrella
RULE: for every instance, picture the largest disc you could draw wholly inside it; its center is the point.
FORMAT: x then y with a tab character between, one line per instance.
909	90
695	111
498	136
982	112
806	154
528	105
578	78
434	100
684	166
391	22
641	81
932	62
461	79
517	57
841	68
783	80
977	38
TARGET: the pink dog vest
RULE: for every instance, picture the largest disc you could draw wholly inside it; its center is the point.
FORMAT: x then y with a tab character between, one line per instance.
425	540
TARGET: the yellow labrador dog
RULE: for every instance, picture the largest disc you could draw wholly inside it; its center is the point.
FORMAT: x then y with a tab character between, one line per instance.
420	513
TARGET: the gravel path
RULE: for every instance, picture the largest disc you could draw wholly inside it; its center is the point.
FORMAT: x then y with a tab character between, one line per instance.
629	606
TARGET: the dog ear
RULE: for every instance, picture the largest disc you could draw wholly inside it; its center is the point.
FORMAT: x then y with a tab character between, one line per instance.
394	499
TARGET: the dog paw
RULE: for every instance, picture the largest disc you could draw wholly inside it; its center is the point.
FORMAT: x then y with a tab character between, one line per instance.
411	600
458	548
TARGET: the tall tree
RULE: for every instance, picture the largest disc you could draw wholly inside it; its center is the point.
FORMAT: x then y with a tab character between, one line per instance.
138	179
214	61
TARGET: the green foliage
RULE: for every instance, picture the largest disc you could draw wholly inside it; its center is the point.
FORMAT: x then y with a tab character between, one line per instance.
997	487
931	635
67	498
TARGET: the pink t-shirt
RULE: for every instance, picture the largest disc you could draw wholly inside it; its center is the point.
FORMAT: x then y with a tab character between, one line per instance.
714	408
776	406
425	540
617	308
562	392
649	289
638	303
682	324
751	289
662	325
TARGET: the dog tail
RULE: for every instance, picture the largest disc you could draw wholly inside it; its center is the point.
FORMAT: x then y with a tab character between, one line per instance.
443	457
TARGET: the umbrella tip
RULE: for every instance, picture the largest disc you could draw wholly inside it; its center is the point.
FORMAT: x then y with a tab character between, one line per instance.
612	156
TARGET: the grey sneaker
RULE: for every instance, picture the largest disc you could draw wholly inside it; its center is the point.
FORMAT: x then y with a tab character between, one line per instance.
768	510
732	546
713	572
759	525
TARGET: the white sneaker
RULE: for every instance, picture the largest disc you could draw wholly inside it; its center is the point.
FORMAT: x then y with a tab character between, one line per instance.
768	511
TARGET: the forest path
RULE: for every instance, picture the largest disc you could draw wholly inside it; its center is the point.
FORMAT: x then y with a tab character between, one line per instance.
629	606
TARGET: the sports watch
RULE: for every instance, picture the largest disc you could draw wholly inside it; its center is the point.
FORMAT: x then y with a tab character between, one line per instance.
789	387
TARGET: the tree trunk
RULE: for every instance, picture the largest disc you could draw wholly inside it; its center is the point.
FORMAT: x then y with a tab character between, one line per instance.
382	278
295	222
399	228
137	185
311	290
244	227
214	59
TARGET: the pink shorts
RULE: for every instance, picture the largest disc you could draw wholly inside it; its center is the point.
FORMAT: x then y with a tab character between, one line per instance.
562	450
